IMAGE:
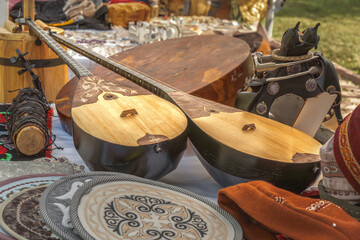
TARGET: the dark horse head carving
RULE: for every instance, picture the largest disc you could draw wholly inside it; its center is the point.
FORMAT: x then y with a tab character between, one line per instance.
296	43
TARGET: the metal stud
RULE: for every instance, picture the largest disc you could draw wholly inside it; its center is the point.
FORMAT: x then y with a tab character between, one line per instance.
293	69
273	88
261	108
310	85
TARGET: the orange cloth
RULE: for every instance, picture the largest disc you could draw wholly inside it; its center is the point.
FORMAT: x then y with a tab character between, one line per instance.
264	210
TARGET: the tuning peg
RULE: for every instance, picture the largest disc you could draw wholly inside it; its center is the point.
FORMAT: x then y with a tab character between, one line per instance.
51	32
14	60
22	71
21	54
38	42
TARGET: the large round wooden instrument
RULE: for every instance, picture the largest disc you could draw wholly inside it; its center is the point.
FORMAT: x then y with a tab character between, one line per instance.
234	145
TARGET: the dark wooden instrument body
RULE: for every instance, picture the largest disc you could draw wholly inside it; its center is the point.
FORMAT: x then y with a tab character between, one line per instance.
229	166
142	161
210	67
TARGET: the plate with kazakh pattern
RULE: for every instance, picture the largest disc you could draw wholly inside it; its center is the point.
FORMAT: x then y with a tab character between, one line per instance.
20	216
55	202
128	207
14	185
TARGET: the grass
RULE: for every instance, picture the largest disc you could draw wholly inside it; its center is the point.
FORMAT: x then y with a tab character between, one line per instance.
339	30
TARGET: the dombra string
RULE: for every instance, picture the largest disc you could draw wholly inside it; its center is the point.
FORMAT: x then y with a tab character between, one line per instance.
29	108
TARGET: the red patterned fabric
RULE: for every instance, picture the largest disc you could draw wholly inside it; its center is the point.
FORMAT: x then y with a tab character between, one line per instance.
347	148
265	211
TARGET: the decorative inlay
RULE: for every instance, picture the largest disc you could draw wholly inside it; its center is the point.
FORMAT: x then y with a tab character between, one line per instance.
92	87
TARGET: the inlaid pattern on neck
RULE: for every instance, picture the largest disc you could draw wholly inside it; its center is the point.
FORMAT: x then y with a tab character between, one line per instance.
75	66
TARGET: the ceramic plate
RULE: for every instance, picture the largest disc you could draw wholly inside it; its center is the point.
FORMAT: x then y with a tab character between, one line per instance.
14	185
55	202
20	217
128	207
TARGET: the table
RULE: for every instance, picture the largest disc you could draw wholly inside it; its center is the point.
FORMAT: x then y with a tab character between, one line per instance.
190	174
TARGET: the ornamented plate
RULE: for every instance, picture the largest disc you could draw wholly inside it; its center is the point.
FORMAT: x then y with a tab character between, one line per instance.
128	207
17	184
55	202
20	217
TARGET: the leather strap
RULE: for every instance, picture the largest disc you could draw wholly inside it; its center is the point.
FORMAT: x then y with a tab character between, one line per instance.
43	63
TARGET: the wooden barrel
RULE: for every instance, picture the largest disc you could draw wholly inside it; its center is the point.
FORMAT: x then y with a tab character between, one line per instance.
52	71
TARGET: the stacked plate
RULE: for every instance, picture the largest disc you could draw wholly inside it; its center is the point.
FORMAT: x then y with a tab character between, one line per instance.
13	189
103	205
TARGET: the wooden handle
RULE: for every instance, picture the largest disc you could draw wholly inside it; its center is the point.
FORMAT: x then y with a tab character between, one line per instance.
12	27
41	24
29	9
30	140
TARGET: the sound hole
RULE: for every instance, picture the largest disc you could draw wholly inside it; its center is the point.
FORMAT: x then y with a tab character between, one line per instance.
109	96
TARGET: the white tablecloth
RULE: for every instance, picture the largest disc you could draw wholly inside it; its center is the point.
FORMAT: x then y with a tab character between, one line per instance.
190	174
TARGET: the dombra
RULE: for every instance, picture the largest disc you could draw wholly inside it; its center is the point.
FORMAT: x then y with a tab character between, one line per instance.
193	64
121	128
233	145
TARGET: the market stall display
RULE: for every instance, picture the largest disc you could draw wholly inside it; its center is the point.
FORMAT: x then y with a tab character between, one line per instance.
160	84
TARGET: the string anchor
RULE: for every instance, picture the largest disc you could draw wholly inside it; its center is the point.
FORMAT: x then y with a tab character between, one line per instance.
157	148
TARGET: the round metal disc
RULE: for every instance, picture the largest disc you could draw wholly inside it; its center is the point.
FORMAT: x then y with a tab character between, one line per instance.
128	207
20	217
55	202
14	185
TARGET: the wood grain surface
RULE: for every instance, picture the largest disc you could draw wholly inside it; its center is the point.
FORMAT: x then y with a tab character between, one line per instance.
269	140
156	120
52	78
212	66
30	140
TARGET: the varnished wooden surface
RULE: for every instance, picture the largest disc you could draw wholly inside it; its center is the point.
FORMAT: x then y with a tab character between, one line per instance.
270	140
212	67
52	78
157	119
